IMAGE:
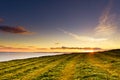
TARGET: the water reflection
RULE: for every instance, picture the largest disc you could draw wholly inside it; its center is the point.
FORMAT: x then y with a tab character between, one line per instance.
12	56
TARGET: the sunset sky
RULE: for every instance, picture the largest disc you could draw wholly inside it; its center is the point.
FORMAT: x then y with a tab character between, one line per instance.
44	24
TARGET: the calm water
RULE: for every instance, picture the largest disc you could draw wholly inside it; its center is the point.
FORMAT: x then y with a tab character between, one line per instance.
12	56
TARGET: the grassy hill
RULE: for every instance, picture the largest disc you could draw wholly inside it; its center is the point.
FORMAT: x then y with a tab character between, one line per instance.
76	66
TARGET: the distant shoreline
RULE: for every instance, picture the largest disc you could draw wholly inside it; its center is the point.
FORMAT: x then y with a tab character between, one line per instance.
8	56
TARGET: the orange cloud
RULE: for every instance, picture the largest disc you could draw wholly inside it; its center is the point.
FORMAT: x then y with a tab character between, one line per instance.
12	49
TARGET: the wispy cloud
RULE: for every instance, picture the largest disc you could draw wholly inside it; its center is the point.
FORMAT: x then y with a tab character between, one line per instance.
82	38
15	30
57	43
107	25
12	48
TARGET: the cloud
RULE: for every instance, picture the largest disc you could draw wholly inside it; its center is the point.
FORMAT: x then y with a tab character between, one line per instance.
78	48
1	20
42	48
12	48
83	38
107	25
57	43
1	46
15	30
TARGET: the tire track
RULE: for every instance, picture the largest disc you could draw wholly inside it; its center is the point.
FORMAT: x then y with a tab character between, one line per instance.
68	72
32	75
105	67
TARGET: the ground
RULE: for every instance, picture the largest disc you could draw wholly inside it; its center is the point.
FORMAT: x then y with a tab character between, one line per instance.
74	66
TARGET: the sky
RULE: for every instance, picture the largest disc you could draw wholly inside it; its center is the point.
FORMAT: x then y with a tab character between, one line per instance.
38	25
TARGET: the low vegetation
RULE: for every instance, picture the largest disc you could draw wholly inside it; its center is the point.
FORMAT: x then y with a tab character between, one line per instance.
76	66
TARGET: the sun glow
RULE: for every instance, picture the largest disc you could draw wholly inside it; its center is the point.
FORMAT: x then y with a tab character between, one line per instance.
89	51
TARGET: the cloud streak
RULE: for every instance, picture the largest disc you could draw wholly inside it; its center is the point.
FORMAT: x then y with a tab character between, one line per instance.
12	48
15	30
107	25
83	38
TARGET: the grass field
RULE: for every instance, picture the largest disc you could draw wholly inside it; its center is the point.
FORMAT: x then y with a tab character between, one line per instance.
76	66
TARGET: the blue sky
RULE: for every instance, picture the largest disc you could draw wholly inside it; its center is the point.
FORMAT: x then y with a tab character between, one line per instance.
50	19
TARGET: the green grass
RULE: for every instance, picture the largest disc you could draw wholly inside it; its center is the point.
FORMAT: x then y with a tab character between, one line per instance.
76	66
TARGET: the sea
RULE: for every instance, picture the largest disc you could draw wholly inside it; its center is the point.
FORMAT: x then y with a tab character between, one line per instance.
6	56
